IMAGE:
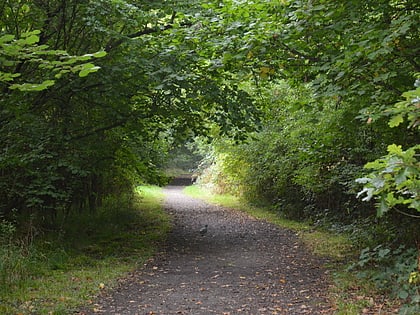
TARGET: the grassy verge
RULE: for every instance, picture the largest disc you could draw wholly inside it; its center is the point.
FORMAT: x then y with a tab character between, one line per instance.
67	267
349	295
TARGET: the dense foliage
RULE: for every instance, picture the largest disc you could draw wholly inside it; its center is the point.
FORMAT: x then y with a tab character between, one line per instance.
93	95
336	70
294	99
335	82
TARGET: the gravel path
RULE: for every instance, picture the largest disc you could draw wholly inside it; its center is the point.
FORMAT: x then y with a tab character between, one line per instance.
240	266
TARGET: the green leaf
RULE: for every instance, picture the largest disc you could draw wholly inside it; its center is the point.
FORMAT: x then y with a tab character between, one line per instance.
402	294
4	76
396	120
374	164
32	39
6	38
363	180
378	182
60	74
32	87
84	57
383	252
34	32
383	208
88	68
400	178
396	149
100	54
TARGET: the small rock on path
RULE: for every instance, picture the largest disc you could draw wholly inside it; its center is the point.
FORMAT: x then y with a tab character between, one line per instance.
240	266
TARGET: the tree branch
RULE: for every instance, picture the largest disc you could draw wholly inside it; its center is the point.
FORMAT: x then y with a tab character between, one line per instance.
408	214
116	124
298	53
148	30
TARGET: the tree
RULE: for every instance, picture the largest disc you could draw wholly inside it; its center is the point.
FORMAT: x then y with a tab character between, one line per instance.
155	83
357	58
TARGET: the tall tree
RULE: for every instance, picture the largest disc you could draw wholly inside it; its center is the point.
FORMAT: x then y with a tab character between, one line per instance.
358	58
92	122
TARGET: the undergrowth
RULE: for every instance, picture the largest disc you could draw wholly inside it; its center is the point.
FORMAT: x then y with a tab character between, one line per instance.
65	267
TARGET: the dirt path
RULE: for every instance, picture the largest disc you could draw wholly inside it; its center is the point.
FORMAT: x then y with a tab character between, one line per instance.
240	266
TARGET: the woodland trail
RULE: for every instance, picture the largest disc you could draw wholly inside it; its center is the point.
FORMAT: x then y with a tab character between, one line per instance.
240	266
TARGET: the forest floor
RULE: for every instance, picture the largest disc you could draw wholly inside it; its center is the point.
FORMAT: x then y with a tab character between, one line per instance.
240	266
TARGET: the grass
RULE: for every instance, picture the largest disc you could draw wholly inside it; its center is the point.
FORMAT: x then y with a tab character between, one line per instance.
349	295
64	269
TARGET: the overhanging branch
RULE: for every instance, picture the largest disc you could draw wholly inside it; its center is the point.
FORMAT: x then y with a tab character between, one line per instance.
149	30
116	124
